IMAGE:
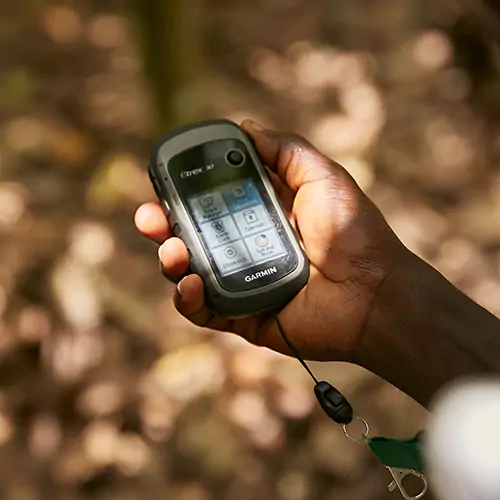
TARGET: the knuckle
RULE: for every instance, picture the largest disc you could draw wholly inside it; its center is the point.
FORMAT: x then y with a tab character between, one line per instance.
200	318
292	140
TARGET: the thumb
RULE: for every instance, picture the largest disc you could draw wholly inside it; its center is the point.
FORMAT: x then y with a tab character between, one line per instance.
291	156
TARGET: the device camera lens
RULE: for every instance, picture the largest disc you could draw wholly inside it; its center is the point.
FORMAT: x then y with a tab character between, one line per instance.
235	158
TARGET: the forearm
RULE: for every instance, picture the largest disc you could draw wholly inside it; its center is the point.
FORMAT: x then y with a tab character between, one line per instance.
423	332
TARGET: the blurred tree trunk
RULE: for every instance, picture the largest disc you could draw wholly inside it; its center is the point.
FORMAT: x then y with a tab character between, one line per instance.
171	40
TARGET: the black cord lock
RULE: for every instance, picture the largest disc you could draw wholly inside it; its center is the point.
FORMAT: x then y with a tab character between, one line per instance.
334	404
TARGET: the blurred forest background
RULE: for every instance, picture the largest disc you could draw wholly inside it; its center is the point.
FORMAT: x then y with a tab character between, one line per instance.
107	393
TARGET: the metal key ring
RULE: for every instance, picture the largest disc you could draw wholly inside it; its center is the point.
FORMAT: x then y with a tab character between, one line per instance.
364	434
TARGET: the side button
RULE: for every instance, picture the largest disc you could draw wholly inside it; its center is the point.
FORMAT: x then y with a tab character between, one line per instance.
153	180
176	229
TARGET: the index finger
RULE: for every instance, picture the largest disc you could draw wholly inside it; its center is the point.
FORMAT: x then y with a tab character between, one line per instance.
152	223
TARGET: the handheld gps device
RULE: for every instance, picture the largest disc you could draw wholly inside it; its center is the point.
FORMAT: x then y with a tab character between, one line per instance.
219	200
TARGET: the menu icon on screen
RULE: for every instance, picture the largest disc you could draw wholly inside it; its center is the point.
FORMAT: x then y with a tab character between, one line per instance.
218	226
250	216
239	192
207	201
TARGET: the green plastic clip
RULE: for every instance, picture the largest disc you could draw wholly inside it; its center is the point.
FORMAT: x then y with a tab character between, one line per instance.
403	454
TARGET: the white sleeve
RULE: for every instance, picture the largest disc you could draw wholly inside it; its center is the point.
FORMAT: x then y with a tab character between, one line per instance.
462	445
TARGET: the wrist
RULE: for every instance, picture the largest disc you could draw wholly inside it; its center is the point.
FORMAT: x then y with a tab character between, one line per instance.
423	332
400	309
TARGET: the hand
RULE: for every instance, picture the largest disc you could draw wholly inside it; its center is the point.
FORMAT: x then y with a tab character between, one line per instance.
349	244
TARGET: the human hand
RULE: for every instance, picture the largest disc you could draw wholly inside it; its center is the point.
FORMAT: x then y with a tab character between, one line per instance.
350	246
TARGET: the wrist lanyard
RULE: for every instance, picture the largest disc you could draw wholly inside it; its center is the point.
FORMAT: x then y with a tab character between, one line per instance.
401	457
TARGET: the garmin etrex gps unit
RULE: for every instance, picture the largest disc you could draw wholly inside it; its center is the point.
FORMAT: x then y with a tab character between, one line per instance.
219	200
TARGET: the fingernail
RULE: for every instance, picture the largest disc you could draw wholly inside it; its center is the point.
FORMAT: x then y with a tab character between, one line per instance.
160	262
256	127
179	288
177	298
